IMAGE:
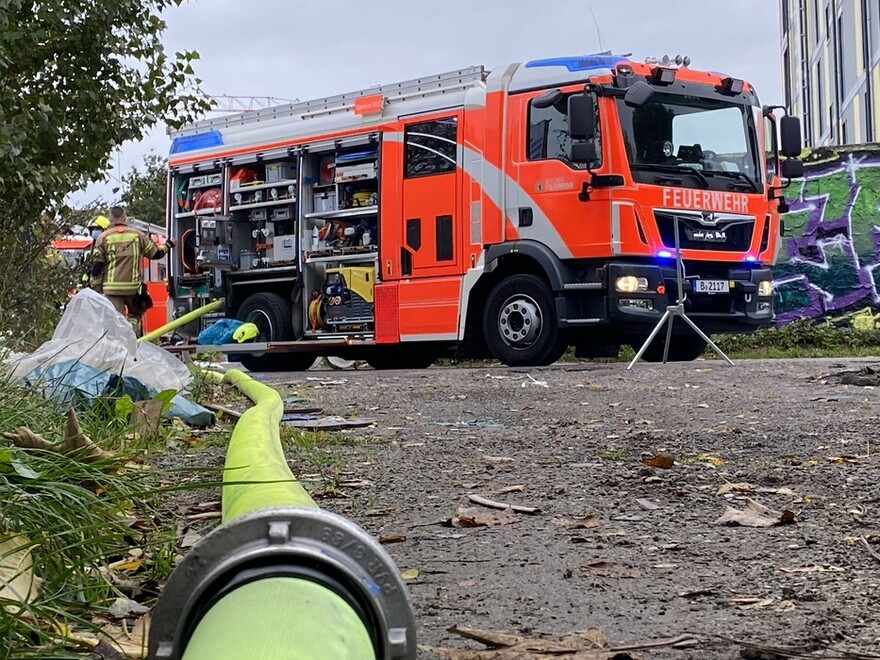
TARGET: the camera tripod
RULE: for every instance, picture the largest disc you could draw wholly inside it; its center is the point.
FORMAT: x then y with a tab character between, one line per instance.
676	310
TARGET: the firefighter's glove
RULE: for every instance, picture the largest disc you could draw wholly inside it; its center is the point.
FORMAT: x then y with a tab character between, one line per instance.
97	268
169	243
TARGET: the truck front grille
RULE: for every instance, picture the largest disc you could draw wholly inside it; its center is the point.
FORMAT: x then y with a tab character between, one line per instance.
733	235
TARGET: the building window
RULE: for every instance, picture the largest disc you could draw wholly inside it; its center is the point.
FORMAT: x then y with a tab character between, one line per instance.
549	136
431	147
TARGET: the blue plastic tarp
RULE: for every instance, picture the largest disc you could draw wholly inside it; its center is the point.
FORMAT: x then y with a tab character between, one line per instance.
219	332
75	384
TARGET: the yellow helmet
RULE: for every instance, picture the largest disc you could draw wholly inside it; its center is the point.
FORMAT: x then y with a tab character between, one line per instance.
101	221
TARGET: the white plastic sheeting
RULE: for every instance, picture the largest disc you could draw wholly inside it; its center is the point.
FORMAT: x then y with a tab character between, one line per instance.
94	333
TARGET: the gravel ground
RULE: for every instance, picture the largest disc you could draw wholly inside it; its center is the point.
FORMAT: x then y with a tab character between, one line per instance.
633	550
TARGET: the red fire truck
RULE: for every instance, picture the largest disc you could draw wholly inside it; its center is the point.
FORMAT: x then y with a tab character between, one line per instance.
509	213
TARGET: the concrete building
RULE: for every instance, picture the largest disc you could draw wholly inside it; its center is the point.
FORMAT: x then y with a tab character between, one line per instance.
831	69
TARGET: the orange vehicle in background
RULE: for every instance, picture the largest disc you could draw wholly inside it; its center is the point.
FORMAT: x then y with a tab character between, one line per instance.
75	249
506	213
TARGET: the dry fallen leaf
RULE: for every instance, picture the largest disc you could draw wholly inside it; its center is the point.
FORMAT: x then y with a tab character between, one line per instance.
410	574
811	569
662	461
509	489
605	568
589	521
755	515
751	602
17	579
392	538
473	517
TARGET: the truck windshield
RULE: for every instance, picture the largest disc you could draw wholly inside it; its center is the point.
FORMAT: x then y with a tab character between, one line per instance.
692	141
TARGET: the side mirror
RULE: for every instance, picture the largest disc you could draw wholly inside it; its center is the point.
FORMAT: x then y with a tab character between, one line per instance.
792	168
639	94
582	116
584	152
790	136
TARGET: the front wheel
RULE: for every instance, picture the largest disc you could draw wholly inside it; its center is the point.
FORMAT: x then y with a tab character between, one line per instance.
520	324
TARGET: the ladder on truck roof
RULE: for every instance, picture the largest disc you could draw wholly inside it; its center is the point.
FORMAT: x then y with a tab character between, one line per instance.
439	84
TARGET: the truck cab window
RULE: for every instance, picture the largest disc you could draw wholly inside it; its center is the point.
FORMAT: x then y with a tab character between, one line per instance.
549	136
431	147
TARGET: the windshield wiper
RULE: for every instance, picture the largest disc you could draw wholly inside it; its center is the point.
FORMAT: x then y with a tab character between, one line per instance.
736	175
655	167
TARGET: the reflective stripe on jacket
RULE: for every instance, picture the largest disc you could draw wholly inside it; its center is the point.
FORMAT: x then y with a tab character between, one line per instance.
120	249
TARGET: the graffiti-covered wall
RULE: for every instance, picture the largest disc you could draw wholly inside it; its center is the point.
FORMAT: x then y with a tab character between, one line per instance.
831	250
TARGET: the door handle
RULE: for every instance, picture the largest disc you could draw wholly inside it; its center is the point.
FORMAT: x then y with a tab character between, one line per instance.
526	216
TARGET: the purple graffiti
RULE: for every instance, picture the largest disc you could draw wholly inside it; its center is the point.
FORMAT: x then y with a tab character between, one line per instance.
805	266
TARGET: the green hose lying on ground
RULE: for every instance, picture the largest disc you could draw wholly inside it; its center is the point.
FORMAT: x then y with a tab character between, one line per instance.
255	455
273	617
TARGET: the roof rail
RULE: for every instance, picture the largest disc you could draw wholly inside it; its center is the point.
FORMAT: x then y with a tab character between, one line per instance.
427	86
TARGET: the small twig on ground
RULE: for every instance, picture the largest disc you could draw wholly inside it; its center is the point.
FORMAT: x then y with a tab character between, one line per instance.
492	504
216	407
871	550
788	651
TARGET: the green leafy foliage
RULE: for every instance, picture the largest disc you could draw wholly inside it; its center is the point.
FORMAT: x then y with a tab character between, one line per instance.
77	79
144	192
801	338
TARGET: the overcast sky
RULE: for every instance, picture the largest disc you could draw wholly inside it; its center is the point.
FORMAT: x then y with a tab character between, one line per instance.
298	49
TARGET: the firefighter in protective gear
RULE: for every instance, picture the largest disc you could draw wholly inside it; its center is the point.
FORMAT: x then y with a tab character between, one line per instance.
96	228
116	266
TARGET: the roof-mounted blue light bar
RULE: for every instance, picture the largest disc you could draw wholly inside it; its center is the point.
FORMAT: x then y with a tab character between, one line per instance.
197	141
582	63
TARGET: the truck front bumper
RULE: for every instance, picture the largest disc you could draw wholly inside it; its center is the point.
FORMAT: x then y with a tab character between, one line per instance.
718	299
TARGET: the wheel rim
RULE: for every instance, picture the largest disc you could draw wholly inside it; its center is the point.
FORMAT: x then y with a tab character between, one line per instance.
520	322
264	324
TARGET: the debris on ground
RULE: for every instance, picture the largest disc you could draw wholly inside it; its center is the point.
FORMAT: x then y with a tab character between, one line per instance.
94	353
590	644
74	442
866	376
473	517
493	504
755	515
312	422
661	461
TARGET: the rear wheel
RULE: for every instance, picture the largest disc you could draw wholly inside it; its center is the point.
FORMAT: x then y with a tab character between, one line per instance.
272	315
520	324
682	348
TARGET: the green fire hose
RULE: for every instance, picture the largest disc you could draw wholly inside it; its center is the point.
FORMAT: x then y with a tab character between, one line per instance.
280	578
182	320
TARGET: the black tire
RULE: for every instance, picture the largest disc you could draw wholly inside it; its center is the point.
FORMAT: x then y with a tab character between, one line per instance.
520	324
273	315
400	357
682	348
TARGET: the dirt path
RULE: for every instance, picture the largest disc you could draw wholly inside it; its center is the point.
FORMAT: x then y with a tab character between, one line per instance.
648	560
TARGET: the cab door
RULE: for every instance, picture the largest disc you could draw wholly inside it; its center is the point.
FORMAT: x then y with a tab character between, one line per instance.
430	196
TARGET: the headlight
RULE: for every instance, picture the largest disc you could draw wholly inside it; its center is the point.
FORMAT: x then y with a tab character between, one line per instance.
631	284
765	288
